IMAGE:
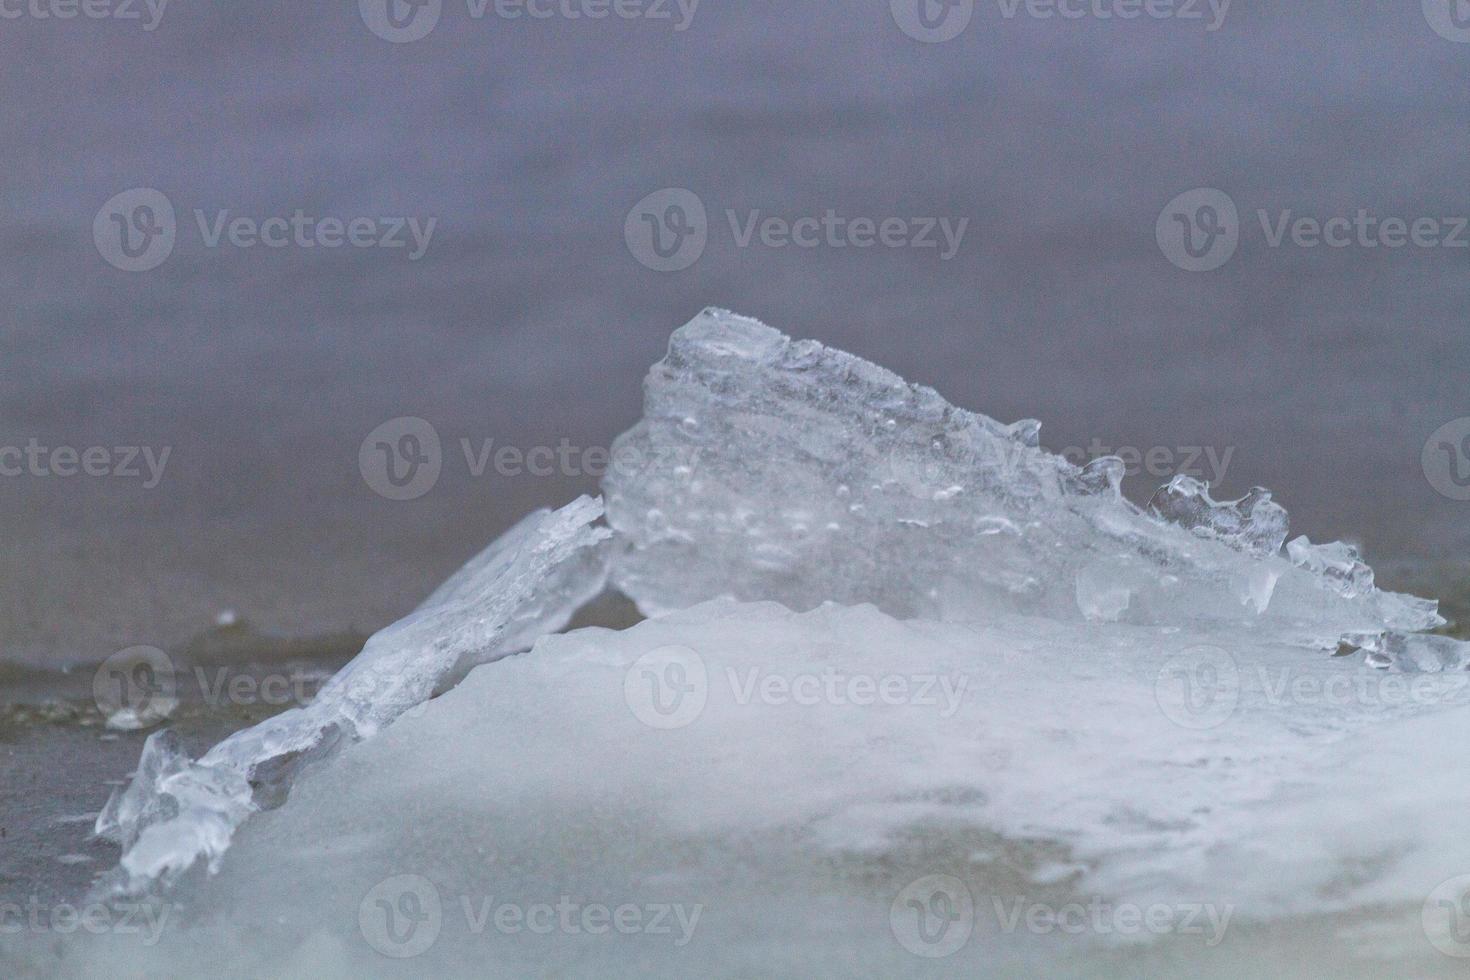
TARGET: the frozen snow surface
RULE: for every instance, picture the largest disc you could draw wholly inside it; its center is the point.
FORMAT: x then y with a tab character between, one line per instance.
777	788
918	698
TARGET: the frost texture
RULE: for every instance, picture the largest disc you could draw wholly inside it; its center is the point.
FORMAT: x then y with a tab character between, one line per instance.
527	583
769	468
800	770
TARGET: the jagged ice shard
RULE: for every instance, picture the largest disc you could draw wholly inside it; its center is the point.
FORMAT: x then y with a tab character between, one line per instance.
527	583
1023	683
770	468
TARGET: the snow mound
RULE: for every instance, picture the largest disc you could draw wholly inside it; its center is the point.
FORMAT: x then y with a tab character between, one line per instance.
894	640
774	788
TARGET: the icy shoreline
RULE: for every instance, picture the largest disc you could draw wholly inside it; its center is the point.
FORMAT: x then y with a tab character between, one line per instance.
772	470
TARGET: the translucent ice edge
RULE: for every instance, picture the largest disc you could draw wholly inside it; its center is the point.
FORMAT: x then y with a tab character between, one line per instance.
767	468
771	469
527	583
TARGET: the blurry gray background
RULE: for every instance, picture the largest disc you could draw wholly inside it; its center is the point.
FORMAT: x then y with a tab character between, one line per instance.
529	320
